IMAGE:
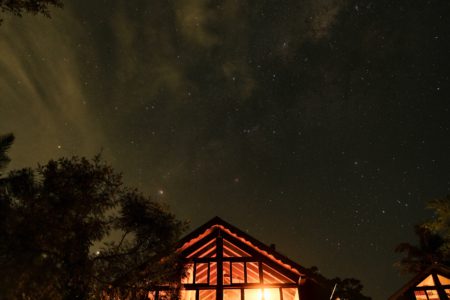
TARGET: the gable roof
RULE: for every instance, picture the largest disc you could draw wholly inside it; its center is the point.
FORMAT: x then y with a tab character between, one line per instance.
434	268
267	251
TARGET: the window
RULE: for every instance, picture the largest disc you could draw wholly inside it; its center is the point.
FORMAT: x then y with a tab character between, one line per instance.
290	294
433	295
207	250
233	294
431	286
271	294
270	275
207	294
212	273
189	278
429	281
151	295
187	294
237	272
226	273
231	250
252	294
420	295
201	273
252	272
163	295
262	294
447	292
443	280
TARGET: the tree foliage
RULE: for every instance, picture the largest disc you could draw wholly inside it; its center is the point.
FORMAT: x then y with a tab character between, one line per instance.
6	141
19	7
440	223
346	289
70	229
434	240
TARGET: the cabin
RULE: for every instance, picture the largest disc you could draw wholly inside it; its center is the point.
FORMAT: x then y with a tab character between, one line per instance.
225	263
430	284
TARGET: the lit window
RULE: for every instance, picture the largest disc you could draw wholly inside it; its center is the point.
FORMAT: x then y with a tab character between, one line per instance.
201	273
208	250
151	295
270	275
252	272
163	295
231	250
226	273
233	294
207	295
188	278
290	293
252	294
262	294
237	272
447	292
420	295
187	295
213	273
427	281
443	280
433	295
271	294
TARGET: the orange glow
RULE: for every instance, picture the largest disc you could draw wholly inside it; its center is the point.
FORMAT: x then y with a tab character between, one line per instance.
266	294
265	253
262	294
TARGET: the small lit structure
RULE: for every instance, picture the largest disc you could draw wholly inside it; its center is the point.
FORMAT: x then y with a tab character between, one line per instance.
225	263
431	284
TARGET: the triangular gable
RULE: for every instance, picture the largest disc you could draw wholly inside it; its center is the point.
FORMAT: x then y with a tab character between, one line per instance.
232	250
428	281
423	279
236	243
443	279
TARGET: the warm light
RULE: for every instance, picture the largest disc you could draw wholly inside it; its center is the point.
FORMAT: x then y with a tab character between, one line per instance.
267	294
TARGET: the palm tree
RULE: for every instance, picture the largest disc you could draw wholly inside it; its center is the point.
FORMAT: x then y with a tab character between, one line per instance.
428	252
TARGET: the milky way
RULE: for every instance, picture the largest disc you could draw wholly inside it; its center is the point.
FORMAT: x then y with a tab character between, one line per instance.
320	126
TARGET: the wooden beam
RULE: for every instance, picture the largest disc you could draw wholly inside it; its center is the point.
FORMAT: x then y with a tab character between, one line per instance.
219	247
255	254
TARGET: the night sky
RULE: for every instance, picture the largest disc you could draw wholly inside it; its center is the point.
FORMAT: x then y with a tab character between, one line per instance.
322	126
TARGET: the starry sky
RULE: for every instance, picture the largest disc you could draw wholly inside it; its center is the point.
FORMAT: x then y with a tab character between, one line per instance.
322	126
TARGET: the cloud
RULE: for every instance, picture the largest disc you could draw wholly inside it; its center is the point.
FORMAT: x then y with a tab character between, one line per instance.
323	15
64	77
42	92
193	18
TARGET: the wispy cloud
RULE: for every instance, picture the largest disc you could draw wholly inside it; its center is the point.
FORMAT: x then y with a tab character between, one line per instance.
42	92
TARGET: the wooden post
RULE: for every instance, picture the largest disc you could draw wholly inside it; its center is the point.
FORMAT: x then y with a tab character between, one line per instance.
219	254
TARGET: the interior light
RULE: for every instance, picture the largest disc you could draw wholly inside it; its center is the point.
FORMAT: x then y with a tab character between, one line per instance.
266	294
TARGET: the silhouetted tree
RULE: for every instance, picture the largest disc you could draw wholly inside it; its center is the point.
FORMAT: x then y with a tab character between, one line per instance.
346	289
19	7
70	230
419	257
5	143
434	240
440	223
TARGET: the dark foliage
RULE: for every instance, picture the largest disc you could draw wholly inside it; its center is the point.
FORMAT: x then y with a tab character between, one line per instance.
419	257
19	7
71	230
348	288
434	240
5	143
